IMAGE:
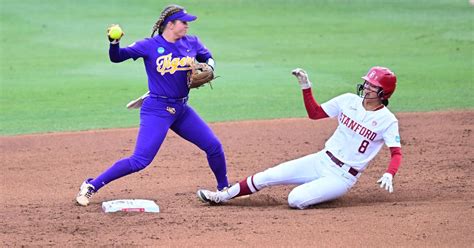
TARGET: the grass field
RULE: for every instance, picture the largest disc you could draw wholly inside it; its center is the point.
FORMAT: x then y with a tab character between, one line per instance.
55	72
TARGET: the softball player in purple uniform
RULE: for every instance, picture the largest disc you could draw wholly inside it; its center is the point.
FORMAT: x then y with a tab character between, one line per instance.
167	58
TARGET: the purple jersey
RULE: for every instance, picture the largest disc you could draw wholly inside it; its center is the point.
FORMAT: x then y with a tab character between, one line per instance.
166	64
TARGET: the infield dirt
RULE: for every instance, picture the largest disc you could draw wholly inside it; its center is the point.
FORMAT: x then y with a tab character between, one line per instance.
433	202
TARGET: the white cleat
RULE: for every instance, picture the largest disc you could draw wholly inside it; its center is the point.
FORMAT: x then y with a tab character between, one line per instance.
85	193
210	196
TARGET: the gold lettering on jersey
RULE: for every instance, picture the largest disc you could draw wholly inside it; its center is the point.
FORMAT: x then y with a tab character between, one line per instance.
356	127
168	64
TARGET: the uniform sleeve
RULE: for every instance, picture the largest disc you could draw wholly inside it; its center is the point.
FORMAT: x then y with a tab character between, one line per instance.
392	139
315	112
137	49
391	136
202	53
117	54
333	107
395	160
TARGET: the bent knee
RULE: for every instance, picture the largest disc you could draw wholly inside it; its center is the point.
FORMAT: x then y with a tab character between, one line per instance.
214	147
138	164
304	196
296	200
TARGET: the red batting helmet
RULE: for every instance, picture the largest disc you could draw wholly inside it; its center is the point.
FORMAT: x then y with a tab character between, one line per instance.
384	78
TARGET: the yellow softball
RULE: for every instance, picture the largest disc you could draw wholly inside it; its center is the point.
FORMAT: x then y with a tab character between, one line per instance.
115	32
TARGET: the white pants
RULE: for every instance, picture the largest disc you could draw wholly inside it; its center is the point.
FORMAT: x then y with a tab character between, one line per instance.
319	179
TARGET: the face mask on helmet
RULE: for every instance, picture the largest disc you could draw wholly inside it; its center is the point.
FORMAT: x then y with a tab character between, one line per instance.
366	86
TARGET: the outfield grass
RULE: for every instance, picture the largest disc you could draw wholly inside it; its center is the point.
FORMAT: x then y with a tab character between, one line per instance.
55	72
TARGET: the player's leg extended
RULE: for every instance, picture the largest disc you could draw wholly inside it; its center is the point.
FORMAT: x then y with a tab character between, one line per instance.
154	124
333	183
298	171
192	128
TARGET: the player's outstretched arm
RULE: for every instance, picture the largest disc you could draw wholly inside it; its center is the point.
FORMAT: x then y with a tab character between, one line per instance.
314	110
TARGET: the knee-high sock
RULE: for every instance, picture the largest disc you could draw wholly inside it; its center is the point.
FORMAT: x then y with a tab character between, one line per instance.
244	187
119	169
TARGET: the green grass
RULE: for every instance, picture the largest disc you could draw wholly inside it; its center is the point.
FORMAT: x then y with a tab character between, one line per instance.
55	72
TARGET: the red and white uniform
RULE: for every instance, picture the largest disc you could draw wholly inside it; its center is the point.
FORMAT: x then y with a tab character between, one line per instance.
360	134
357	139
330	173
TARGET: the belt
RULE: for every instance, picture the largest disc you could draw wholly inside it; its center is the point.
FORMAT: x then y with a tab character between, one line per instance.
167	99
351	170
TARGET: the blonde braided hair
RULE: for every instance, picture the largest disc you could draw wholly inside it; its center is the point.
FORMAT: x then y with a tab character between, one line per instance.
168	11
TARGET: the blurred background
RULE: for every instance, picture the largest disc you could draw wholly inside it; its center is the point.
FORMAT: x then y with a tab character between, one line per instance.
55	73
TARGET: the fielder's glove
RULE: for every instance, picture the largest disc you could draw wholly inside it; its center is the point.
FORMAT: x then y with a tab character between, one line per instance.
303	78
137	103
386	181
200	74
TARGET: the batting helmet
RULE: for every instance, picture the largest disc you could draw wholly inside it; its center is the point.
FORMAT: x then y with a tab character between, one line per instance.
383	78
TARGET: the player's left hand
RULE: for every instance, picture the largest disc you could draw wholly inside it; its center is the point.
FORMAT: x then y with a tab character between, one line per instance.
200	74
386	181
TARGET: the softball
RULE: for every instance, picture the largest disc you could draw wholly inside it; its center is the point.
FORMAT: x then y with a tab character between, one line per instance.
115	32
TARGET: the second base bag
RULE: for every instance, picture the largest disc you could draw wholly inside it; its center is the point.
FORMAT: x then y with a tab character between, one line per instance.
130	205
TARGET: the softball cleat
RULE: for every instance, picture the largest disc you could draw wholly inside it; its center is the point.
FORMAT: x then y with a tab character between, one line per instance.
208	196
85	193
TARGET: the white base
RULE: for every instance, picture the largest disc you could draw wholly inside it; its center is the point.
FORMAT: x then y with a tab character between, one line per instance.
130	205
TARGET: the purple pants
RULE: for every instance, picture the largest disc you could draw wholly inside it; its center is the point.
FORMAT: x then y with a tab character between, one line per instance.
156	117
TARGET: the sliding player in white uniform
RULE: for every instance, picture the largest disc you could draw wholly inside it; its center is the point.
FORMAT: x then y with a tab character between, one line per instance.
365	124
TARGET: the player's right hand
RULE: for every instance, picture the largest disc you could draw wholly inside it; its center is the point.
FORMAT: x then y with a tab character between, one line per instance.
303	78
114	41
